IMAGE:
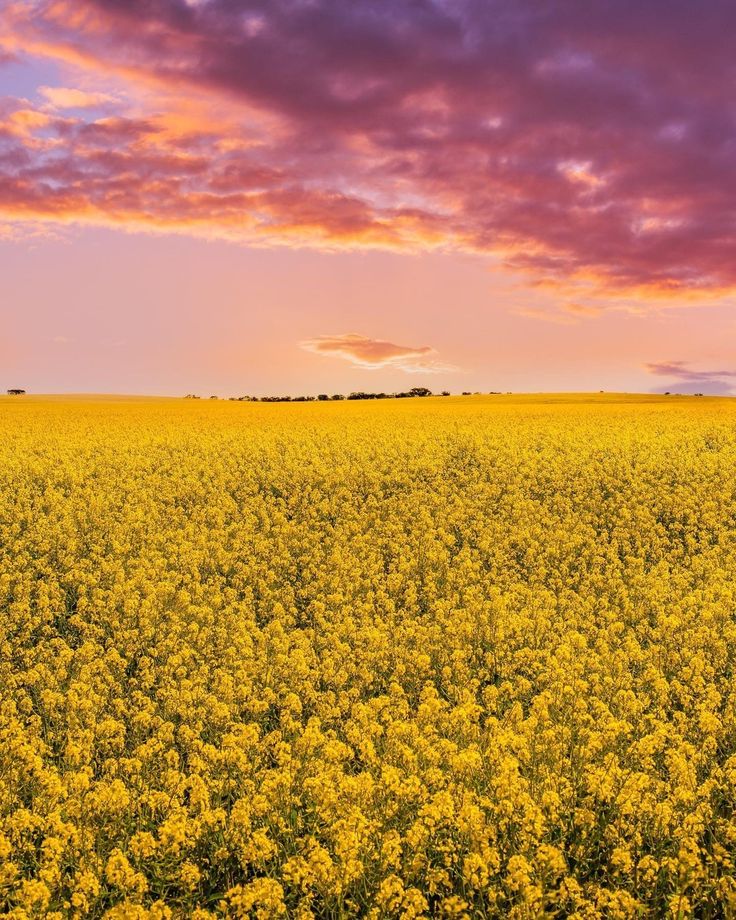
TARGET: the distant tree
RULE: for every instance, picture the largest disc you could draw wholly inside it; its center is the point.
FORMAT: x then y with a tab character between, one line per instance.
213	397
467	393
16	392
323	397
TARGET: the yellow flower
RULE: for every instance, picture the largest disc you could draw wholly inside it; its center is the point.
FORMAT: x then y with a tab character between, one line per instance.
190	875
453	657
121	874
262	898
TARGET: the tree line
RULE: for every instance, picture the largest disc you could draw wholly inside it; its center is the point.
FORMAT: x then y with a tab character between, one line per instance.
413	393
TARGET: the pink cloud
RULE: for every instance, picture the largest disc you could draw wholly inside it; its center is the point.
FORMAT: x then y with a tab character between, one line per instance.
377	353
594	150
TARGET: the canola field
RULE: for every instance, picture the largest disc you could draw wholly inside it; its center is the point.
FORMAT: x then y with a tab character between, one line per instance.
444	657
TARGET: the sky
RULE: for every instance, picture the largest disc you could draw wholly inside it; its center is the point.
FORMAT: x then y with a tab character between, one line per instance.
300	196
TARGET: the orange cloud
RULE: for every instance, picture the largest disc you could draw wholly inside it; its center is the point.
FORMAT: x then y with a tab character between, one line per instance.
377	353
65	97
582	309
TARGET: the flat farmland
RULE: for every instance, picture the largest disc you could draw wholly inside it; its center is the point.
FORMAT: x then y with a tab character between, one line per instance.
460	657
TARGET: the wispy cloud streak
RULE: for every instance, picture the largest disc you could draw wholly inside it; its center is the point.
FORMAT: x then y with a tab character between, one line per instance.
65	97
686	379
373	354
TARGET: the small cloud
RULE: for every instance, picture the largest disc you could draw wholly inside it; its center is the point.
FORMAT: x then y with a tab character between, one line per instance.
61	340
19	232
568	314
377	353
64	97
687	380
582	309
578	171
681	369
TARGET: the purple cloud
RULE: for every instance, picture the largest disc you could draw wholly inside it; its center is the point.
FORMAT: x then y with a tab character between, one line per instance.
580	141
687	380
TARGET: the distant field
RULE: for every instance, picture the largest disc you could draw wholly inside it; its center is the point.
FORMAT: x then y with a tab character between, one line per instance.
458	657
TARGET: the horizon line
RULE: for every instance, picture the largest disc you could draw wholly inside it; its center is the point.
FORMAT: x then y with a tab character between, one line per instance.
82	394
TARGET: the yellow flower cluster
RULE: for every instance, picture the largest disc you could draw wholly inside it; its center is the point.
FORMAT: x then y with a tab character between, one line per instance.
421	658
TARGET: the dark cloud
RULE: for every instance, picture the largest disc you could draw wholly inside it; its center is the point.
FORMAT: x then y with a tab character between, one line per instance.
577	138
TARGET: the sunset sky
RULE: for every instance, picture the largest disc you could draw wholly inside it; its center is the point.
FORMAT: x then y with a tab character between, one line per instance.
299	196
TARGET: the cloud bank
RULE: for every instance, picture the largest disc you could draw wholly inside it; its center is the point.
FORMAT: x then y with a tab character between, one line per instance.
687	380
587	143
376	353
